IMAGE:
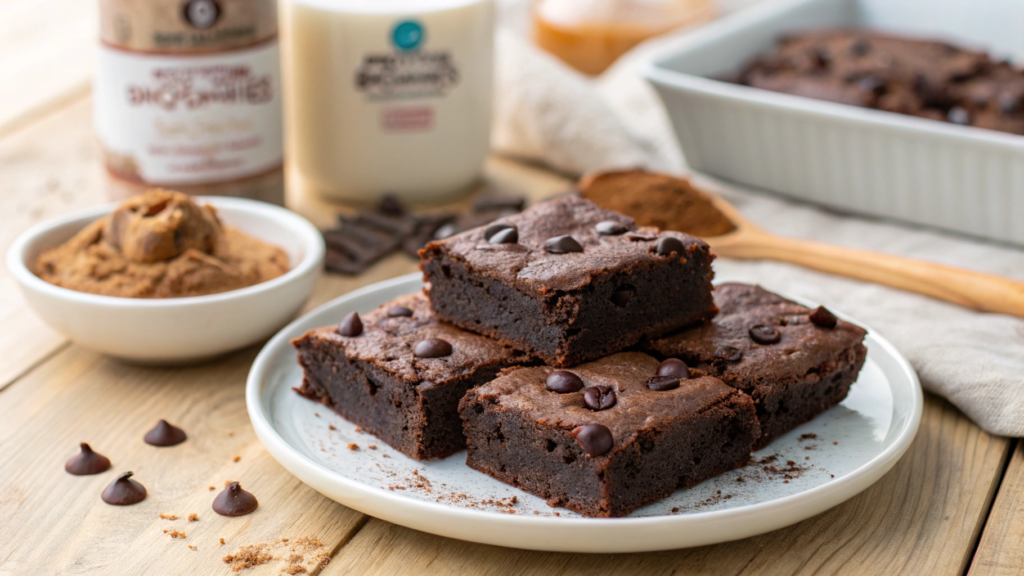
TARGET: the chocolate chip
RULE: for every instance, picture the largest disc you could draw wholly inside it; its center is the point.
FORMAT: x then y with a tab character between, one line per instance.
397	311
446	231
822	318
871	84
610	228
763	334
667	245
509	235
663	383
599	397
165	434
674	367
87	462
432	348
124	491
728	353
958	115
860	47
623	294
391	206
233	501
350	325
563	382
595	439
495	228
562	245
1008	104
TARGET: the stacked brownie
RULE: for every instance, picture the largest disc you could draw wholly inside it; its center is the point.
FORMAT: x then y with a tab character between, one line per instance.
580	358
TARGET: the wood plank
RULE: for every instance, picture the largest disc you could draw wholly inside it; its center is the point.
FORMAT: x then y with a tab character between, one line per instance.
923	517
1000	552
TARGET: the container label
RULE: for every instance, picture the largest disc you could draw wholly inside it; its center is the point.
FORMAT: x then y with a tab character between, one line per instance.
189	119
409	71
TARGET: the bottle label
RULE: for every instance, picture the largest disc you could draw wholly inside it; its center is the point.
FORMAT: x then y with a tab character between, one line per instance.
168	119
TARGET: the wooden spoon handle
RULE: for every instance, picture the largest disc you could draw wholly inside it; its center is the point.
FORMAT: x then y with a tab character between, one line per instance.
970	289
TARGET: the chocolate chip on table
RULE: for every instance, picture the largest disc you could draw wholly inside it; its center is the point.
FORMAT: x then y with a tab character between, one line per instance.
958	115
822	318
563	382
623	295
399	311
432	348
87	462
495	228
562	245
667	245
610	228
508	235
663	383
595	439
675	368
124	491
234	501
763	334
391	206
351	325
728	353
165	434
599	397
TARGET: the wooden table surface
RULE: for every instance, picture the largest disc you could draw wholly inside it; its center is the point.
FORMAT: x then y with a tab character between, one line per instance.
949	506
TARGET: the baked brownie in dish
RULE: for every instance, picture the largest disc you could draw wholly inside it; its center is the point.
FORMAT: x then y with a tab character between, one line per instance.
794	362
569	281
606	437
399	373
909	76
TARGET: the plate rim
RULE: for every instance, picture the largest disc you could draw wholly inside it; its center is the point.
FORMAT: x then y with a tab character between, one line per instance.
811	501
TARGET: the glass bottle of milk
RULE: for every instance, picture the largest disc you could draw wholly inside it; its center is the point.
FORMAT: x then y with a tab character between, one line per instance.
389	96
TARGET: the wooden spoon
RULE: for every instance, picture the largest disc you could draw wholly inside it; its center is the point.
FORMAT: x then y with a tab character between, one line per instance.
974	290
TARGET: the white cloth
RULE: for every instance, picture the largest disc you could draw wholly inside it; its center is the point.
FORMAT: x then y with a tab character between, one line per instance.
547	112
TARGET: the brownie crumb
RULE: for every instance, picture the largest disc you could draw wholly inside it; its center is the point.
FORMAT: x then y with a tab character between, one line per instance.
676	509
331	427
317	414
212	488
236	458
353	446
176	534
810	436
834	443
248	556
193	517
168	517
359	429
221	540
293	569
372	446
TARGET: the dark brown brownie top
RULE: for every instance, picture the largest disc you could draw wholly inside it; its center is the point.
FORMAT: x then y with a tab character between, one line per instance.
801	348
930	79
636	407
527	265
389	341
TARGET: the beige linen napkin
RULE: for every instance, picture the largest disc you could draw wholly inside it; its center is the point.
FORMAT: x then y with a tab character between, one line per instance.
549	113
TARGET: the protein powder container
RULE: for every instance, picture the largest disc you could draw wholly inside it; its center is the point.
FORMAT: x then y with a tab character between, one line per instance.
187	95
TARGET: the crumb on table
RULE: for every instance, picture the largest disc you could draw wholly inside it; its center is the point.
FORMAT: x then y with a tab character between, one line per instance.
193	517
168	517
353	446
236	458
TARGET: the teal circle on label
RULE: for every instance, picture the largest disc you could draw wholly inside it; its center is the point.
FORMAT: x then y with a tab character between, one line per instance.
407	35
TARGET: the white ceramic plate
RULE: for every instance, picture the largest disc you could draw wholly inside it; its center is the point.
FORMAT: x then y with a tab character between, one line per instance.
833	457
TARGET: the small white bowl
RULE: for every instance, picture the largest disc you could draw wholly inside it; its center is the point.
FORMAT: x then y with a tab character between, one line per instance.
175	330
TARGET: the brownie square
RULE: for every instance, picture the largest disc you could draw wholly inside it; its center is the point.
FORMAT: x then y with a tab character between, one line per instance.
768	347
568	281
674	434
379	380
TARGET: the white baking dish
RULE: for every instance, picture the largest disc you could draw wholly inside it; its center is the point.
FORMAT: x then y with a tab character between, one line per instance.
854	159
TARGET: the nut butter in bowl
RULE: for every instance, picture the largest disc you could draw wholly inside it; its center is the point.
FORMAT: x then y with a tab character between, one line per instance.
166	278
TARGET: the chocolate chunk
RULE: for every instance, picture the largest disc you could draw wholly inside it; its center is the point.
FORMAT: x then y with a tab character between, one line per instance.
87	462
668	245
958	115
351	325
124	491
432	348
599	397
822	318
499	202
509	235
728	353
233	501
675	368
397	311
165	434
391	206
494	229
563	382
763	334
610	228
562	245
663	383
449	229
595	439
623	294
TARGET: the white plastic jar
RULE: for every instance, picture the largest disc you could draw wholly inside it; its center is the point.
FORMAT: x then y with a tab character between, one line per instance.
389	96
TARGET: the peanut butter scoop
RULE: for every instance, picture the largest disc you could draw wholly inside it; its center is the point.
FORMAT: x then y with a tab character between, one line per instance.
160	244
